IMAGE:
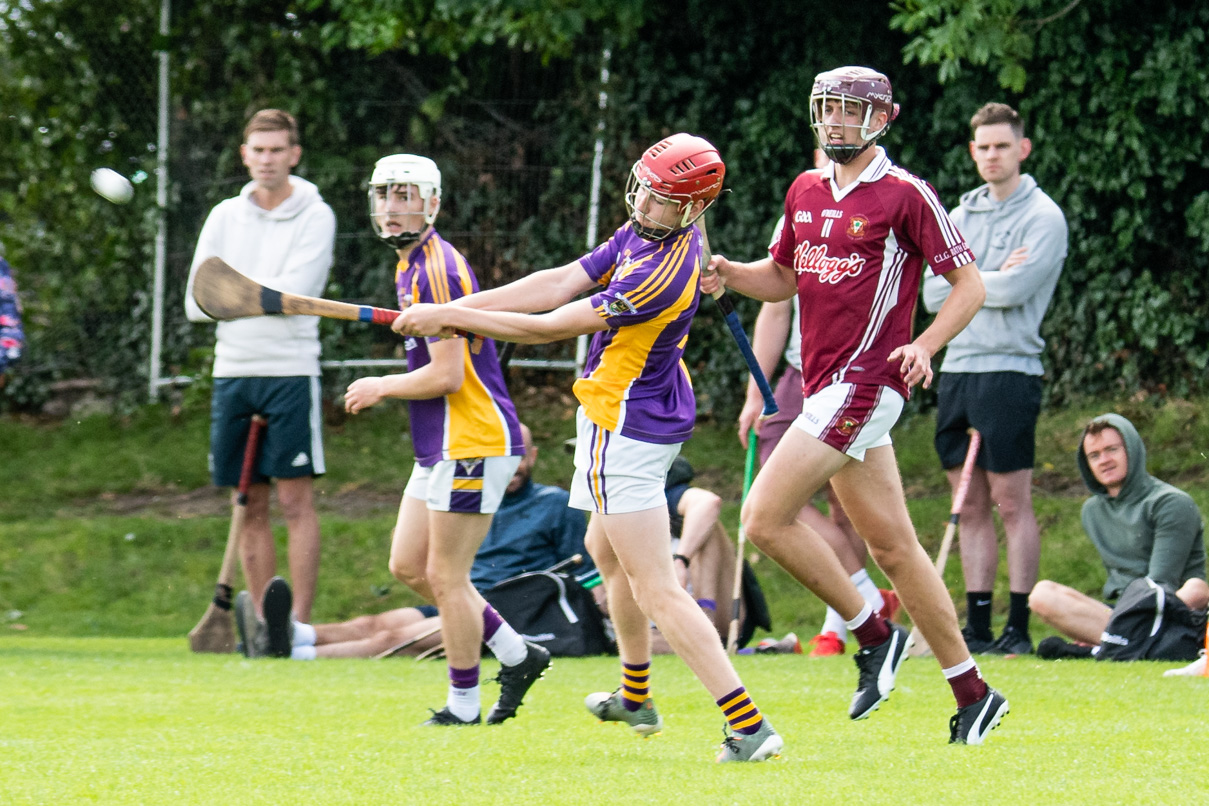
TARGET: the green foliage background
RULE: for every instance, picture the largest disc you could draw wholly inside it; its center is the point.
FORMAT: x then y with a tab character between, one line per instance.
504	95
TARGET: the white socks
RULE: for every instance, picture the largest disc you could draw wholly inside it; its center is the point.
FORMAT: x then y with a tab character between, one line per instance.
304	634
507	645
464	702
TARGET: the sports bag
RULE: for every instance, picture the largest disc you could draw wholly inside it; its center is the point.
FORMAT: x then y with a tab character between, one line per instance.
1150	622
552	609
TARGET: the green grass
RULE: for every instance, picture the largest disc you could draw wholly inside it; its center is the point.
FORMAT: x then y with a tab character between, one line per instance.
124	721
103	571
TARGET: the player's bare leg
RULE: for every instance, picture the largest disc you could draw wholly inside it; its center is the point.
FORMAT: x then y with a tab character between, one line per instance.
641	542
454	538
630	623
799	466
296	498
872	494
409	547
257	552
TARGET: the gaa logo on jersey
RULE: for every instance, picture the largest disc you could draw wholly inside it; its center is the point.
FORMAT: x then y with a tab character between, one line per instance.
620	305
846	426
858	225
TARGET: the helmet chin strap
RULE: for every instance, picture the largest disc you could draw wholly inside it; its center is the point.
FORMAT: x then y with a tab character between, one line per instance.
845	154
403	239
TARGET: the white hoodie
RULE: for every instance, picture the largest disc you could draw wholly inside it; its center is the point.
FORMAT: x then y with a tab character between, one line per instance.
288	248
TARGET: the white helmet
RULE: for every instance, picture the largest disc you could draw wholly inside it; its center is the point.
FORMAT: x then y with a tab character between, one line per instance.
405	169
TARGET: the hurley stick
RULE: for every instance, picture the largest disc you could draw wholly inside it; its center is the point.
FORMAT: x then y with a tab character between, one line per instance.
916	644
215	631
732	638
223	294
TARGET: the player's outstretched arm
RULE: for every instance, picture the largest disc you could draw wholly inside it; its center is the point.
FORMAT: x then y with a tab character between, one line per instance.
764	280
541	291
573	319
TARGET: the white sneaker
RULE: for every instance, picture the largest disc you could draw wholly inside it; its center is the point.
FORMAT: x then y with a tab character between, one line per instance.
1194	669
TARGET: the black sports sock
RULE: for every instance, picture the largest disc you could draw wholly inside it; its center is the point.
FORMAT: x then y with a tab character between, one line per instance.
978	607
1018	612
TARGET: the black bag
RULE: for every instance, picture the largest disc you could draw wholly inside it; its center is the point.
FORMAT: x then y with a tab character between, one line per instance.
1151	623
756	613
552	609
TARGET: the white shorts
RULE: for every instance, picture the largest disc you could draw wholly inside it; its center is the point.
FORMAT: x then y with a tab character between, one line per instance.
616	474
852	418
463	485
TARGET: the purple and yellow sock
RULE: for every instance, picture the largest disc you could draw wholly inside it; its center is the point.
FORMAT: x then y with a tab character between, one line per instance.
742	714
635	684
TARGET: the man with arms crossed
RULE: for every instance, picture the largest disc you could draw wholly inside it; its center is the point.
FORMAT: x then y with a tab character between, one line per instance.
991	376
853	248
637	408
279	232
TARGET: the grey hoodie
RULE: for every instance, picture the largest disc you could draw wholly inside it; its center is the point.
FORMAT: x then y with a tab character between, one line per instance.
1150	529
1005	334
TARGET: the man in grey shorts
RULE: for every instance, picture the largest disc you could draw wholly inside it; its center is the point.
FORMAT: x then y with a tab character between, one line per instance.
279	232
991	376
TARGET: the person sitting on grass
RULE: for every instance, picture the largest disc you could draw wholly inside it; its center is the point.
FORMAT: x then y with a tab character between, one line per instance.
1140	526
533	529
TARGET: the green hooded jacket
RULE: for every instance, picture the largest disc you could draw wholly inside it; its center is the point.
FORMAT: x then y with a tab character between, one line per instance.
1150	529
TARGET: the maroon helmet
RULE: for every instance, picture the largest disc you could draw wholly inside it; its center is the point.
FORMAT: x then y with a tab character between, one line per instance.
681	170
868	91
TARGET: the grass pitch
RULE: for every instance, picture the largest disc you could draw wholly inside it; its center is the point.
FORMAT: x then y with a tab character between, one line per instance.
138	721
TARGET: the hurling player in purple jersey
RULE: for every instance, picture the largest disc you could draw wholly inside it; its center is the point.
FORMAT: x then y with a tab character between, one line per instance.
854	245
467	442
637	407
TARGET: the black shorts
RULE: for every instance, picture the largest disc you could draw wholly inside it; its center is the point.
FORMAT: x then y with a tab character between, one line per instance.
291	446
1002	406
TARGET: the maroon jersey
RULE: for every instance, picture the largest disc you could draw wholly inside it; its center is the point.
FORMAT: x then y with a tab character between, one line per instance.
859	255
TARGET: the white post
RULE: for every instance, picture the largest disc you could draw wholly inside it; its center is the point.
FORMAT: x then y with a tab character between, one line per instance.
161	201
581	344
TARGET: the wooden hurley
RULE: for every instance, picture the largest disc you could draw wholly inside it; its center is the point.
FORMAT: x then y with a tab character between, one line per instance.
215	631
224	294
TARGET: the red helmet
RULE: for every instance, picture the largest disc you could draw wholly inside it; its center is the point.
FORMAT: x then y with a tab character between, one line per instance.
868	89
681	169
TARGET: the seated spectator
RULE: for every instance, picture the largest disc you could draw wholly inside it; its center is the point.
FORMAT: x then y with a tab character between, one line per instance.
533	530
1141	527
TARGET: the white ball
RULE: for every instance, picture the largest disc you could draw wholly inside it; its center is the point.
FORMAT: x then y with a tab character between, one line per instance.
112	185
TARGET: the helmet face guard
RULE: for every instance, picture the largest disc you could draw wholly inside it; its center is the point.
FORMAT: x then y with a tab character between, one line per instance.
391	174
652	215
668	181
855	95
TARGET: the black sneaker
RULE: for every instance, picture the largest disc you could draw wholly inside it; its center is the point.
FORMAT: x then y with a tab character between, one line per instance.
977	642
278	603
972	724
445	717
1011	642
878	666
1056	648
516	680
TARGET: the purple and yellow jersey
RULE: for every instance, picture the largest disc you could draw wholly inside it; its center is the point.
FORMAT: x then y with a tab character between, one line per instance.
635	382
479	419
